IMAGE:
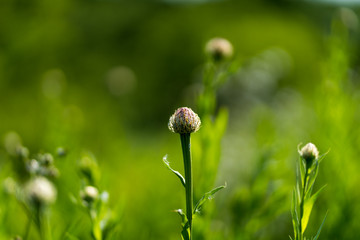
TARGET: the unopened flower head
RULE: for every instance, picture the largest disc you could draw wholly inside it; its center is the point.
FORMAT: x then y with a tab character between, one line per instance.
184	120
309	153
40	191
46	159
89	194
219	49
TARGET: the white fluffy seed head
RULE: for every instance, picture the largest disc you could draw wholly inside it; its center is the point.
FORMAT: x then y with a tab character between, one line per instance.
219	49
40	191
184	120
309	153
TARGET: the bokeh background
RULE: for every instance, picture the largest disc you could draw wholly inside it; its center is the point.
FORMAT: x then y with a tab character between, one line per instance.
103	76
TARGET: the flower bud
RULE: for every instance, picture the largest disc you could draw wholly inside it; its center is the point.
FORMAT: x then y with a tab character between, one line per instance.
10	186
46	159
219	49
22	152
184	120
89	194
40	191
61	152
309	153
33	166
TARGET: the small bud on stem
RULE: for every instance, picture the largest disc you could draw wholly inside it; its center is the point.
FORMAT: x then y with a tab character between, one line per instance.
219	49
309	153
184	120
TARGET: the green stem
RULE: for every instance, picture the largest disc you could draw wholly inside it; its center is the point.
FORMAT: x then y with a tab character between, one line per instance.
27	230
301	237
185	143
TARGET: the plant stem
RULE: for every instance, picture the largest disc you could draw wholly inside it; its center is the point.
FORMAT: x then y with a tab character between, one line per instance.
301	237
185	143
27	230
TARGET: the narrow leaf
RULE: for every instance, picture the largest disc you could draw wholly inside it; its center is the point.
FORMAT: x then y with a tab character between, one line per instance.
302	171
167	164
71	237
207	196
294	216
309	203
185	233
182	215
311	182
322	224
221	121
322	156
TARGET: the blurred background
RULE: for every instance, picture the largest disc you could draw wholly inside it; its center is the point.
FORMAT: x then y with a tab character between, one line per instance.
104	76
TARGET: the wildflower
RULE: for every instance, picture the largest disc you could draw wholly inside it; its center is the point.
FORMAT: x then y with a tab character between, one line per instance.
309	153
40	191
33	166
184	120
22	152
46	159
61	152
89	194
219	49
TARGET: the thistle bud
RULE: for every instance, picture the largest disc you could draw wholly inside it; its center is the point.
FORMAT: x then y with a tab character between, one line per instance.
309	153
40	191
219	49
89	194
184	120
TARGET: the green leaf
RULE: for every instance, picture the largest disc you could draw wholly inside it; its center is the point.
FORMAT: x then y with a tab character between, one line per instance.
207	196
70	236
294	215
301	171
182	215
221	122
308	205
185	233
322	224
322	156
167	164
311	180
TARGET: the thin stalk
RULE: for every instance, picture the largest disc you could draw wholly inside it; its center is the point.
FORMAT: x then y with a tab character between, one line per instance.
27	230
302	202
185	143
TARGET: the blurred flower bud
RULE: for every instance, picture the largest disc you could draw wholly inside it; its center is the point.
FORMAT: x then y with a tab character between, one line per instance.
61	152
40	191
309	153
33	166
46	159
12	141
53	172
89	169
219	49
10	186
22	152
184	120
89	194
